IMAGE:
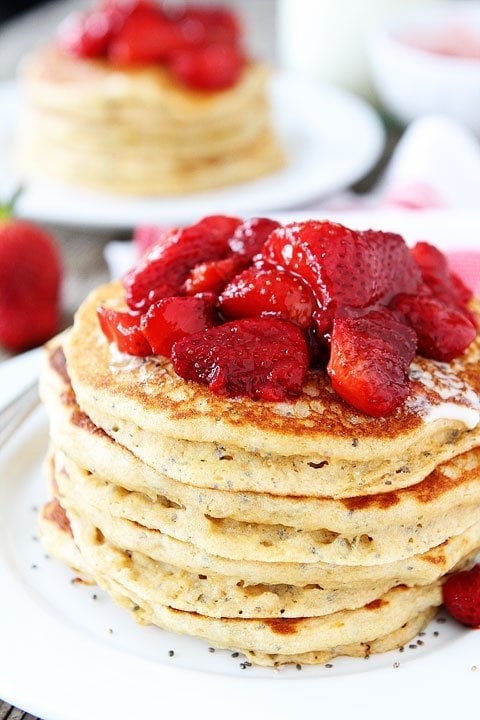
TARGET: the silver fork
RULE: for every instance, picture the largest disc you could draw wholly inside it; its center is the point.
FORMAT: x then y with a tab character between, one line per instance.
16	412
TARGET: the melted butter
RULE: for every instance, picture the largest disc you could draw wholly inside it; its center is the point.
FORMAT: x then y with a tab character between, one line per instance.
446	396
143	370
123	362
453	411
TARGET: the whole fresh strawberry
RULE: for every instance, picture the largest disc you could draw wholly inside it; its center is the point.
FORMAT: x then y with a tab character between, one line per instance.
461	596
30	276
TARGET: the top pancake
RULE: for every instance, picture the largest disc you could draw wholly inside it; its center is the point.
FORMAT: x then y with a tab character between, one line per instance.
138	130
92	88
148	393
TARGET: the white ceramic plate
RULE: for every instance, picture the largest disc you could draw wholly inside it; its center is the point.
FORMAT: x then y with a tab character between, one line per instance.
67	655
331	137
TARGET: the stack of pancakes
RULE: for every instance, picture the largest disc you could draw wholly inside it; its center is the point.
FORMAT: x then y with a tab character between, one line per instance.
138	131
292	532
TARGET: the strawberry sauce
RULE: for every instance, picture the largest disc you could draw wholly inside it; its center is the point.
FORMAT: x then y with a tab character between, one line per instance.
247	308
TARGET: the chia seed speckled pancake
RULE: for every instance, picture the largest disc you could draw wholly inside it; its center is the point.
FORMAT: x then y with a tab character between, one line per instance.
361	529
377	626
213	595
348	532
134	536
318	425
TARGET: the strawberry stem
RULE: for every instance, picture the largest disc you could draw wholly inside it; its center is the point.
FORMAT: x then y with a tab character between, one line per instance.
7	209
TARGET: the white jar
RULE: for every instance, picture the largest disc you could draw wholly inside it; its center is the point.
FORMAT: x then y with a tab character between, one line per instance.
326	38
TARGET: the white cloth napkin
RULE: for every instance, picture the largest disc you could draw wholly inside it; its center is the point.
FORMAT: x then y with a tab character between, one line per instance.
437	161
436	164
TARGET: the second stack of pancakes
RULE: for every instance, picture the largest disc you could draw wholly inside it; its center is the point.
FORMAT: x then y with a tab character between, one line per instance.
138	132
292	532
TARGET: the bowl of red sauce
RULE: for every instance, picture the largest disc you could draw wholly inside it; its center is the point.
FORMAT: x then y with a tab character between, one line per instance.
427	60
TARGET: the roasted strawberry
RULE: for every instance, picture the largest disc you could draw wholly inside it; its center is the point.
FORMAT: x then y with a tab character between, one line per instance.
461	292
163	270
213	276
86	35
155	275
443	331
464	273
249	237
123	329
30	279
262	358
172	318
292	294
208	67
146	236
461	596
260	292
204	25
437	276
370	355
343	268
146	36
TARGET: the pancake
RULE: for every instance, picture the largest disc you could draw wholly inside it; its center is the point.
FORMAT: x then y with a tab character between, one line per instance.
363	529
138	131
57	538
214	595
382	534
301	635
284	636
134	536
318	425
276	633
61	82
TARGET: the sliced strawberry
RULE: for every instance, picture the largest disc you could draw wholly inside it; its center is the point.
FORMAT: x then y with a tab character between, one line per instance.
163	270
146	36
212	276
437	276
262	358
260	292
443	331
204	25
172	318
157	274
249	237
343	268
461	291
461	596
370	355
146	236
123	329
86	35
208	67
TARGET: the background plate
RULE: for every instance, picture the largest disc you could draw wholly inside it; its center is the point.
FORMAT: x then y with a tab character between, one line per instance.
331	137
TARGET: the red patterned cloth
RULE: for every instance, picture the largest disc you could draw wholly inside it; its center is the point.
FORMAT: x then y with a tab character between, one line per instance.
467	265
